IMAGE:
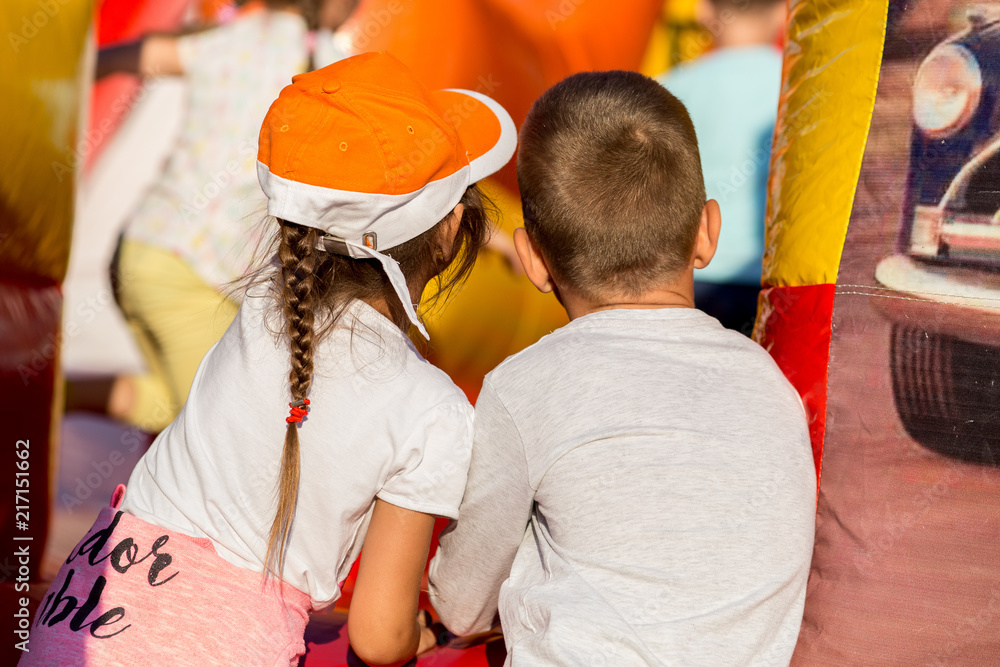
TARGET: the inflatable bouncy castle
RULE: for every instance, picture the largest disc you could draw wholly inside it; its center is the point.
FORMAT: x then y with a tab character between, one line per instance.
880	301
881	305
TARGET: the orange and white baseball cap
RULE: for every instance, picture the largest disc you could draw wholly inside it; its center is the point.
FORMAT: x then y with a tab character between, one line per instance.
363	152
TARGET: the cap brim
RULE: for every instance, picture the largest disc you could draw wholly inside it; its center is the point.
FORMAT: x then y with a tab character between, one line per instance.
485	128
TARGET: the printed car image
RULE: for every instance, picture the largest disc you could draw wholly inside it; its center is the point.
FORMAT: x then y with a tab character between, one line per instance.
945	341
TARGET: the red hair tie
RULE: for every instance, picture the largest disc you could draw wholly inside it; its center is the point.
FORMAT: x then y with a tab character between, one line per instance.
299	409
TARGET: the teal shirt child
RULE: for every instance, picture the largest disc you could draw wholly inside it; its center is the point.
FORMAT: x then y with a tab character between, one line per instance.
732	97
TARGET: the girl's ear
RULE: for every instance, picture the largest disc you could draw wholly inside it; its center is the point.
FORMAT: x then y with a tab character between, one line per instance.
532	260
449	231
455	219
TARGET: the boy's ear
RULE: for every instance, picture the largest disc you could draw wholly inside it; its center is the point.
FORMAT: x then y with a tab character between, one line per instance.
532	260
708	234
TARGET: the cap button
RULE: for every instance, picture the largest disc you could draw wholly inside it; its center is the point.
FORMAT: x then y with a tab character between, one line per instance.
331	86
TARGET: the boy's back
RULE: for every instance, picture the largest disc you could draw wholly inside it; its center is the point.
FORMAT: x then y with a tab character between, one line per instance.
670	466
641	489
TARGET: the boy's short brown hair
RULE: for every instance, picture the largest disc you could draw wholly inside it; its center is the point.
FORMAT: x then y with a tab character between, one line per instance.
611	183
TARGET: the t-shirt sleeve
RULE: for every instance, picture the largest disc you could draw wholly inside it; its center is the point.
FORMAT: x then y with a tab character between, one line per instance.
433	463
475	554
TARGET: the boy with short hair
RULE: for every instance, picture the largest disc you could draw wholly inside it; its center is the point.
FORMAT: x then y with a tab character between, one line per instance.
641	489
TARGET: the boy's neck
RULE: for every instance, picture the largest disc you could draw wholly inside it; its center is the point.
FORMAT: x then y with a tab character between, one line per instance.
679	294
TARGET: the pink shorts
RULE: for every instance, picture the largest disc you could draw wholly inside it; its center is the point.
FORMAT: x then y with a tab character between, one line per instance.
132	593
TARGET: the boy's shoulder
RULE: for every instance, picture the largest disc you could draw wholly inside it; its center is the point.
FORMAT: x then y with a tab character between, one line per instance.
532	360
580	351
581	338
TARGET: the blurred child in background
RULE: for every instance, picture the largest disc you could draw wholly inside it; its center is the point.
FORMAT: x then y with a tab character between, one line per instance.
732	96
191	234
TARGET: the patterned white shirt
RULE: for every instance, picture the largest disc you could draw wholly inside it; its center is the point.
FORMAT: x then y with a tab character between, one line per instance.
207	204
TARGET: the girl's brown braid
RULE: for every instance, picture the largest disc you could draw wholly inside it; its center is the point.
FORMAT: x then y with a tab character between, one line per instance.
297	255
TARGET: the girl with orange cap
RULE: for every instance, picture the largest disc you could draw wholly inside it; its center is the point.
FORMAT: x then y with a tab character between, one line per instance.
313	426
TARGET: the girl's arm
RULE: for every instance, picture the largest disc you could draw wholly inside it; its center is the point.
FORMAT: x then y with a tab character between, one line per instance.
154	55
382	624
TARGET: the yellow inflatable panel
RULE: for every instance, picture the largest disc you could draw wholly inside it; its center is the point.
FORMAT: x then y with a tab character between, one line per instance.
40	74
832	61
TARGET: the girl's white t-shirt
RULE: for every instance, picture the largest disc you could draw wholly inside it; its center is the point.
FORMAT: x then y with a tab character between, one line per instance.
384	423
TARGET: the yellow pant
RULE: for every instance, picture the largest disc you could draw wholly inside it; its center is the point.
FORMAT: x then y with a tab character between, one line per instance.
175	317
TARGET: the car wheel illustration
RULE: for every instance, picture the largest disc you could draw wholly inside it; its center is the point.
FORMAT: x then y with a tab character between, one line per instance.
947	393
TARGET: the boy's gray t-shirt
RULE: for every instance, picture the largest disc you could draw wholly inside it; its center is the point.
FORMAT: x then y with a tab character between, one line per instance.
642	492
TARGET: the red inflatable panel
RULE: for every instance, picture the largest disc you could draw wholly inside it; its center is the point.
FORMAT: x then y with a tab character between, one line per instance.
29	363
794	325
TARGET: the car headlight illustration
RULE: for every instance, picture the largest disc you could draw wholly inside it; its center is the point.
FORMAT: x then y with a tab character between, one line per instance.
947	90
945	334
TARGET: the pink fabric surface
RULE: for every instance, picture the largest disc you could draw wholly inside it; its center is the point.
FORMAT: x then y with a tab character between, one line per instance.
132	593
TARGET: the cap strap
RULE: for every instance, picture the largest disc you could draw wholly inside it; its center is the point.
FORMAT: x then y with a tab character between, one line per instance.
396	278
